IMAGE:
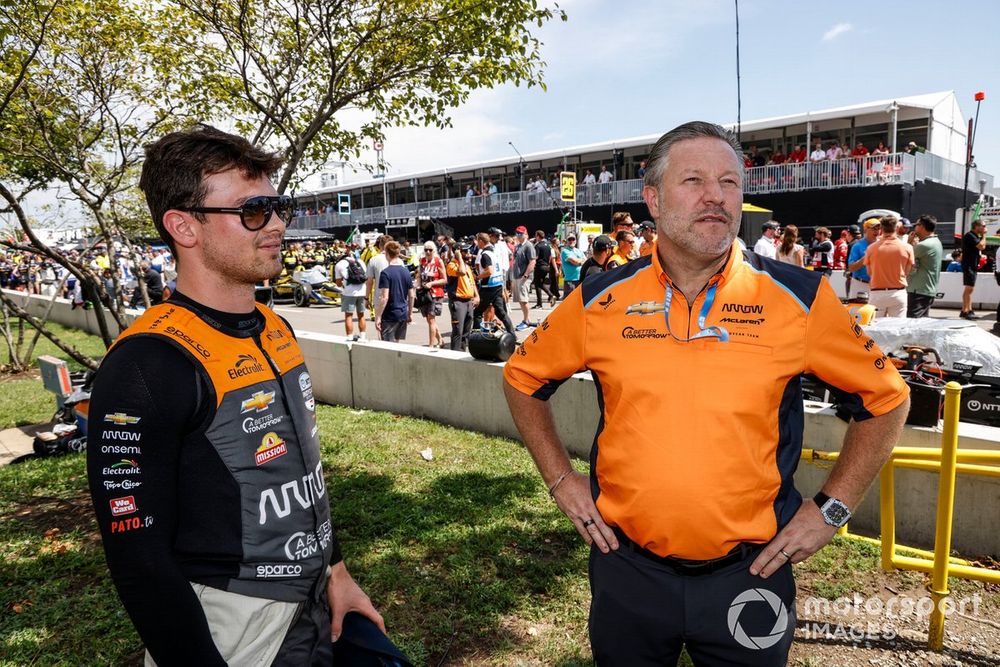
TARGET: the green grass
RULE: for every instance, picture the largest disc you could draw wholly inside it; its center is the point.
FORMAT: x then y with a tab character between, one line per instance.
23	401
466	551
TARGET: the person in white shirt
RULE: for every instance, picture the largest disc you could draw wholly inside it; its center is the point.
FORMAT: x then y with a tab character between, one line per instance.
501	251
765	244
818	154
352	297
605	175
589	178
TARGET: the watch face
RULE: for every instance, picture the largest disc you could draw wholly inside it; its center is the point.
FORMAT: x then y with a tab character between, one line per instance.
836	513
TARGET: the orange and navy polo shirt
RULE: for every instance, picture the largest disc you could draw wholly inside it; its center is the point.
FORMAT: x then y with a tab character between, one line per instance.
698	441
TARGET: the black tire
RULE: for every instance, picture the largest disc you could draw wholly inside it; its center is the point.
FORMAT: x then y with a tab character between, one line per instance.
299	297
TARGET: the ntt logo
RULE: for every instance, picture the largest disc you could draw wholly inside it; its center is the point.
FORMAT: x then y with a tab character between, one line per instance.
780	618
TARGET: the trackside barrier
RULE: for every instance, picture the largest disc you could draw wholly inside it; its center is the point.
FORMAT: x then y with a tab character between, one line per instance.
947	461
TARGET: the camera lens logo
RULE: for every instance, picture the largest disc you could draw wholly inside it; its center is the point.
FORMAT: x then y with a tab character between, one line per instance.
756	596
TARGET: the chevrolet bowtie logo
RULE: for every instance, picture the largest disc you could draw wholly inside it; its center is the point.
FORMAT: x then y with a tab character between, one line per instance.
121	419
645	308
258	401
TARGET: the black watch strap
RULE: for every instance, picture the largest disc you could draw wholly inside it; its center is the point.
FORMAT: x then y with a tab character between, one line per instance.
820	499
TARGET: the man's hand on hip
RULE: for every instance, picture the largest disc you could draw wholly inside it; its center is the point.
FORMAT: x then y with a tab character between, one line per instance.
574	499
344	595
804	535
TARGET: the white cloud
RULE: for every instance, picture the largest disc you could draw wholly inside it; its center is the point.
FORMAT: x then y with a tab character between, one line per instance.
836	31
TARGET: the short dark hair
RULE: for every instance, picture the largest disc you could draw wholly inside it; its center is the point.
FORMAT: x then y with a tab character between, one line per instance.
173	175
624	234
889	223
539	234
659	154
928	222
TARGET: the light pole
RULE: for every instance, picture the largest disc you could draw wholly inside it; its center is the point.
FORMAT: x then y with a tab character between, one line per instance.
979	97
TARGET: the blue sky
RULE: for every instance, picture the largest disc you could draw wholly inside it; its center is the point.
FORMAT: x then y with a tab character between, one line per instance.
632	67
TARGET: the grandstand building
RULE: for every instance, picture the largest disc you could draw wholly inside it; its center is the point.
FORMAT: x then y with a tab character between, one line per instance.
927	179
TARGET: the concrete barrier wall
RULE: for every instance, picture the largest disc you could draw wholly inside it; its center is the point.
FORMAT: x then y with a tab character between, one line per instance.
453	388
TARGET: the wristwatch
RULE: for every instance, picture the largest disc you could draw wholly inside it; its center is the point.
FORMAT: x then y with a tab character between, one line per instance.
835	513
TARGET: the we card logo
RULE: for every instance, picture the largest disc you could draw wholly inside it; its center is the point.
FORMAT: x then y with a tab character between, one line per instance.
124	505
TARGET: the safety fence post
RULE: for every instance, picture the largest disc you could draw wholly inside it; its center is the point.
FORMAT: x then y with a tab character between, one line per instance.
945	512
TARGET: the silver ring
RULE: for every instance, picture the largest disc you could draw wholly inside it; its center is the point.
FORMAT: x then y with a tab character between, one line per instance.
588	522
785	554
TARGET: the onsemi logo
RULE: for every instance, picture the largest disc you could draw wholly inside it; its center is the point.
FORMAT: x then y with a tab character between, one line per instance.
777	607
259	401
755	309
121	419
246	364
271	447
120	449
308	491
124	505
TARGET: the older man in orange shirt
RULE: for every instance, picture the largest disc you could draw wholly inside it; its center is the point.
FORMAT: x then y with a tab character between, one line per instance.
889	261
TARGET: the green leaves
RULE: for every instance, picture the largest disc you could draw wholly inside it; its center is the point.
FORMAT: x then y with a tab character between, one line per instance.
303	63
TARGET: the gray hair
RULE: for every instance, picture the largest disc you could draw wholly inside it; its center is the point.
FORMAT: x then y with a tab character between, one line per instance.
656	163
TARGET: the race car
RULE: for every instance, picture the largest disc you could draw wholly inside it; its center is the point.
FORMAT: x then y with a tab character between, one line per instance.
305	288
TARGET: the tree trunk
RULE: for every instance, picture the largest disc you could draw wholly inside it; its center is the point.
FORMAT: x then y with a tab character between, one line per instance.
24	316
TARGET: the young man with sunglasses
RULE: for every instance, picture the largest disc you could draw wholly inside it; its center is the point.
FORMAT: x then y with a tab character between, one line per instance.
690	505
204	459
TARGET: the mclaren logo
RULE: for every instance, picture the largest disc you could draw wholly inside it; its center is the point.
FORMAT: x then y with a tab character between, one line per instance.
246	364
259	401
645	308
738	320
121	419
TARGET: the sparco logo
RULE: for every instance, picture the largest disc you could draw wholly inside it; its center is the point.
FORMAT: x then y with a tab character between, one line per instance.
978	406
278	571
177	333
631	333
742	308
738	320
253	425
312	489
246	364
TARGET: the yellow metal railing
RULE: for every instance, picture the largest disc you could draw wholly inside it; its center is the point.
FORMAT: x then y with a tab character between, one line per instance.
948	461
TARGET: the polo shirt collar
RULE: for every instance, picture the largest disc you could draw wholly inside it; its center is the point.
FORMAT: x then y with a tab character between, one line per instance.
733	264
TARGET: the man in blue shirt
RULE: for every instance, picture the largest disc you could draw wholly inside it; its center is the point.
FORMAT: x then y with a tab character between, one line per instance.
572	259
396	294
856	257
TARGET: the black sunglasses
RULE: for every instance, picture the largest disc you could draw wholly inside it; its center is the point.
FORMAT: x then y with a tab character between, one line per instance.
255	211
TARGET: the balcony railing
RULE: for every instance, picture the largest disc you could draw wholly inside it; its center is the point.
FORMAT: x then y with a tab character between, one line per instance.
869	171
